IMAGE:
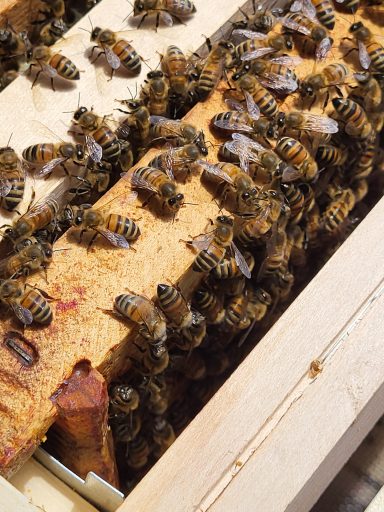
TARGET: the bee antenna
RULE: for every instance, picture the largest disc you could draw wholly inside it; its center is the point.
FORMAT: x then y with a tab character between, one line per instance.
90	21
193	204
78	101
9	140
85	30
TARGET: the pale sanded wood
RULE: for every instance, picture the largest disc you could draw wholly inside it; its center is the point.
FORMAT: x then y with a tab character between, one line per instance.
11	499
44	489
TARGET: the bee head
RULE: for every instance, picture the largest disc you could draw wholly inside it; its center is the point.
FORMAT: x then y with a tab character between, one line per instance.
174	203
5	37
155	74
356	26
79	112
318	34
80	155
224	219
95	33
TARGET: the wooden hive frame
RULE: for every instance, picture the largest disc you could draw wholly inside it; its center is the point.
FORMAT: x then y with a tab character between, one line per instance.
228	446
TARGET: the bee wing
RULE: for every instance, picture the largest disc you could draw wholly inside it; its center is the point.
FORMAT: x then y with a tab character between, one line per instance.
364	58
23	314
296	6
240	260
293	25
308	9
253	109
287	60
323	48
202	242
215	170
169	161
291	174
245	156
249	34
112	59
248	142
48	167
158	119
235	105
322	124
114	238
226	124
94	148
137	181
279	83
5	186
48	70
166	18
256	54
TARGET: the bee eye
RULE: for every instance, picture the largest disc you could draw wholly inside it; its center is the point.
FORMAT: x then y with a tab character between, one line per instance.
172	201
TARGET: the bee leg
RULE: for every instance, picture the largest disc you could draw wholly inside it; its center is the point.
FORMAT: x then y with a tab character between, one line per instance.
92	241
146	202
178	19
142	19
349	52
98	55
65	169
339	91
30	69
326	100
157	21
53	89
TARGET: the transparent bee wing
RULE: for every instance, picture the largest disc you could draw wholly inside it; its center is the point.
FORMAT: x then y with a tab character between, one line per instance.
245	156
296	6
364	58
322	124
5	186
48	167
202	242
249	34
279	83
256	54
40	100
323	48
112	59
169	162
240	260
48	70
309	9
114	238
94	149
166	18
293	25
137	181
159	119
248	142
253	109
215	170
291	174
40	128
23	314
226	124
234	105
287	60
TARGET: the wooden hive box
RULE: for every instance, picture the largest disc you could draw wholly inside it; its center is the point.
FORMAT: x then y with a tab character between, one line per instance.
274	435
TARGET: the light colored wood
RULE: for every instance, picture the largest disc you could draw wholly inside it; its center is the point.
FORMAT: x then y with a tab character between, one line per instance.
377	504
81	330
242	426
18	12
12	500
45	490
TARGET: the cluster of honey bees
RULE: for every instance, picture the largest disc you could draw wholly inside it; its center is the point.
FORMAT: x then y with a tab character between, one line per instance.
289	184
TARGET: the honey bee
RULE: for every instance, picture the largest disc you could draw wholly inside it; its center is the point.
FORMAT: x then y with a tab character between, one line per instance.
360	189
235	179
179	131
138	452
236	313
295	200
258	45
177	160
338	210
262	20
125	427
138	121
53	9
259	300
209	305
118	230
192	365
369	95
261	97
51	32
123	398
27	305
330	156
40	214
180	415
12	179
219	56
155	93
371	53
312	226
117	51
174	306
351	5
213	247
354	117
322	9
51	64
101	142
332	75
294	120
13	44
53	154
6	77
274	73
304	165
97	177
163	435
157	390
275	246
34	257
195	333
363	165
176	68
296	247
155	359
228	268
165	10
297	22
143	312
160	184
281	285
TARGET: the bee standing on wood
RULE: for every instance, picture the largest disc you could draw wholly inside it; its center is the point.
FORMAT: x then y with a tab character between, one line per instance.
219	57
12	179
165	10
155	93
